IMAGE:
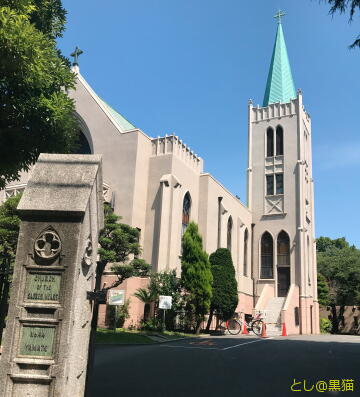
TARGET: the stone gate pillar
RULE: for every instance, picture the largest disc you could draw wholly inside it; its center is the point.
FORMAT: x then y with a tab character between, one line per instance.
46	340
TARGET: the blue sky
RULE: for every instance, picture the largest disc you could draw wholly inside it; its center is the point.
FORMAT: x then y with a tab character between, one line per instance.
189	67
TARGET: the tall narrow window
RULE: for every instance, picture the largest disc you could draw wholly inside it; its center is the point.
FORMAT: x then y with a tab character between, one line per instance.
279	183
269	185
245	252
267	256
229	233
279	141
270	142
186	212
283	249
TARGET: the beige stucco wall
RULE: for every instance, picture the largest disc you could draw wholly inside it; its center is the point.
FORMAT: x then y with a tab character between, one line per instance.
210	190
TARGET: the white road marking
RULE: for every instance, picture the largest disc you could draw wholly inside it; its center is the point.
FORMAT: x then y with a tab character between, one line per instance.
192	347
246	343
216	348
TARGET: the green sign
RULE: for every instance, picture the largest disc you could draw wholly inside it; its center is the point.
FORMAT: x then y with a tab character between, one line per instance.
43	287
37	341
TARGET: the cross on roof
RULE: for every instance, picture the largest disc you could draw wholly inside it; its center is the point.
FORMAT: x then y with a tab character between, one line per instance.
76	54
278	15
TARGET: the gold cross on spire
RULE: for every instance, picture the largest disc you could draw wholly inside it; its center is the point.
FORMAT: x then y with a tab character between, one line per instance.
278	15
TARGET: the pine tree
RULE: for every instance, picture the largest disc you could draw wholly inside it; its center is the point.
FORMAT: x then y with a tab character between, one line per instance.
196	275
225	294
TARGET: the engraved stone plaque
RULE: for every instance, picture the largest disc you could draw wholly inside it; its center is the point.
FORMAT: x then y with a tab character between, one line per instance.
37	341
43	287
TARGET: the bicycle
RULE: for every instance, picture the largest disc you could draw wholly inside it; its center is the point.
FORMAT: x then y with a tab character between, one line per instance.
255	324
233	326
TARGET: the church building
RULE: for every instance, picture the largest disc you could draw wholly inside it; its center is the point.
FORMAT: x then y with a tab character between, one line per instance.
159	185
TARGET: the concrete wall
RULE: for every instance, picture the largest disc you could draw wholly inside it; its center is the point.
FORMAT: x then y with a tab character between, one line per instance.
349	318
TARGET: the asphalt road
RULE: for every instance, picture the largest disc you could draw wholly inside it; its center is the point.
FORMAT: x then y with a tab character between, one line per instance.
229	366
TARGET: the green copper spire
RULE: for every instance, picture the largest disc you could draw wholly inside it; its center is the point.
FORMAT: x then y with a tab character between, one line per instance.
280	85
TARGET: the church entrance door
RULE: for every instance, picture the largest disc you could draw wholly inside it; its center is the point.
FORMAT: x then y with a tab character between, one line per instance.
283	280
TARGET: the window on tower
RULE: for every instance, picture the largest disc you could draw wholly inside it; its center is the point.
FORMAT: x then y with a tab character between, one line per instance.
267	256
245	252
283	249
279	183
270	142
279	141
269	185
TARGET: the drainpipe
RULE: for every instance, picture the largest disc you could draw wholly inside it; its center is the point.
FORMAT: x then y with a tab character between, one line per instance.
252	263
219	222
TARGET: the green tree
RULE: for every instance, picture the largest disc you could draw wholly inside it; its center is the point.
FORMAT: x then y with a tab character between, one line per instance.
342	6
323	290
196	275
9	231
146	297
36	114
9	227
118	242
224	288
162	283
339	264
324	244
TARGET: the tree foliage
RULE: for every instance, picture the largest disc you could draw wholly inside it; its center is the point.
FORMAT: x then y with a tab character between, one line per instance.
162	283
342	6
224	289
166	283
196	275
9	228
323	290
9	232
118	243
339	264
339	276
36	114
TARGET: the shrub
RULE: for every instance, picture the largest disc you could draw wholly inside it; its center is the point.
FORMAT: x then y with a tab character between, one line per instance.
325	325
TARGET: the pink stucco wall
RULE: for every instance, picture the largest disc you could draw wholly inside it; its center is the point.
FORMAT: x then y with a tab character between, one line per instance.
288	316
245	305
136	309
266	293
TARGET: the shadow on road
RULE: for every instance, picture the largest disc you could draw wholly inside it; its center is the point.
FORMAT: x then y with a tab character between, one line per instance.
228	366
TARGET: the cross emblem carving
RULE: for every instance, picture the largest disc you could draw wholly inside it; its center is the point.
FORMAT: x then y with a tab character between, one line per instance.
278	15
276	204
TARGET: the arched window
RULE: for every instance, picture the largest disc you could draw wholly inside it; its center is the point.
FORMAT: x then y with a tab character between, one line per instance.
279	141
83	144
267	256
186	212
269	142
283	249
229	232
246	235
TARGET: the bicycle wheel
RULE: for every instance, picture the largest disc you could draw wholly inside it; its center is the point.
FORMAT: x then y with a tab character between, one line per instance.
256	327
221	327
234	326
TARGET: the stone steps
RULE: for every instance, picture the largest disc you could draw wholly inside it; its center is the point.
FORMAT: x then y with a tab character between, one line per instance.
273	316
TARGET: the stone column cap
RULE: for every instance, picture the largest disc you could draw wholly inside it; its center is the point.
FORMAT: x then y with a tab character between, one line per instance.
60	184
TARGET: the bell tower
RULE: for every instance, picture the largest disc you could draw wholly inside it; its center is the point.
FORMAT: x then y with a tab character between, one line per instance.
280	192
